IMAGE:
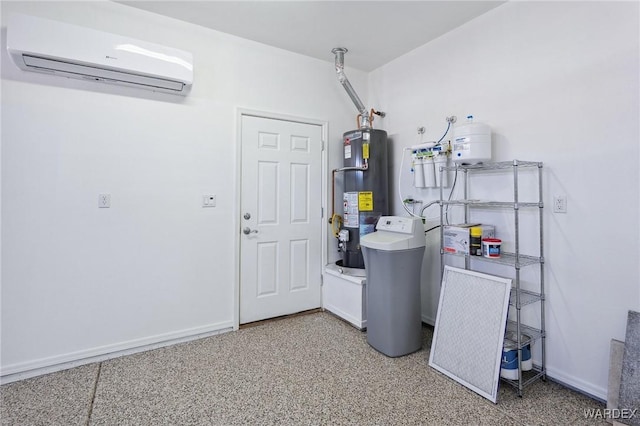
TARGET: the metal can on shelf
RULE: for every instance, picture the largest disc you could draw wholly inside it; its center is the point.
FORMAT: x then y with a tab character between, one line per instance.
475	240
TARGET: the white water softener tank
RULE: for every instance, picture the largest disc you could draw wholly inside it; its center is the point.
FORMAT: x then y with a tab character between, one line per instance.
471	142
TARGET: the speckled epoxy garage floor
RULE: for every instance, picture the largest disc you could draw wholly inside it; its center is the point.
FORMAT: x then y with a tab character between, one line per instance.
310	369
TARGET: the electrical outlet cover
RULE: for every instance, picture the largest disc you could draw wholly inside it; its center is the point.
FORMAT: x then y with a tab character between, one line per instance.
104	201
559	203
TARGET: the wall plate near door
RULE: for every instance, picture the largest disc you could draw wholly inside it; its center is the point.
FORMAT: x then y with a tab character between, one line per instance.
209	200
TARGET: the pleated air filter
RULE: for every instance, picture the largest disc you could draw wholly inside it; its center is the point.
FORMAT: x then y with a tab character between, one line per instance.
469	331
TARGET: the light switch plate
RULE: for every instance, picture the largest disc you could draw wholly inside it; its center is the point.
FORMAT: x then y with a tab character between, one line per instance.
209	200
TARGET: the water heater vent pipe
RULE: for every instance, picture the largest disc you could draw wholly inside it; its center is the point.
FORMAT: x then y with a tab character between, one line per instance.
365	117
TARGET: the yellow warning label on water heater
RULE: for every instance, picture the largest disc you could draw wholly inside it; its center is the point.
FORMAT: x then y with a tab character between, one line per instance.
365	201
365	151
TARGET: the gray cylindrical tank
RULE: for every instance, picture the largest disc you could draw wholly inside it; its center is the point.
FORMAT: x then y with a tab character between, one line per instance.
394	314
366	193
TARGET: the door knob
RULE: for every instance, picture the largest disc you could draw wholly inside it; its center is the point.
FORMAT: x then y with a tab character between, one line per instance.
248	231
247	216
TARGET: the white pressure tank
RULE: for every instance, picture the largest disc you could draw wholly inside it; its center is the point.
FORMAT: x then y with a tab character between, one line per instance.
471	142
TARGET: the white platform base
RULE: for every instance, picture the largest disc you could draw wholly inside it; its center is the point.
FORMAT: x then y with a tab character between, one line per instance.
343	294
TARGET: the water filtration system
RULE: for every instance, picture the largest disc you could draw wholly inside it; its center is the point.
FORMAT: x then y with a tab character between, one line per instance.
427	158
365	177
430	161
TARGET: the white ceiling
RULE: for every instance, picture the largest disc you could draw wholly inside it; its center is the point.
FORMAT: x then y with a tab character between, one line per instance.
375	32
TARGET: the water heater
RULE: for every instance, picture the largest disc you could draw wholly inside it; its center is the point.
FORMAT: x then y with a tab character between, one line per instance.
366	189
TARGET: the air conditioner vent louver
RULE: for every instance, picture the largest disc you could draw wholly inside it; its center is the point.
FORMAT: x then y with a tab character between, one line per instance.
100	74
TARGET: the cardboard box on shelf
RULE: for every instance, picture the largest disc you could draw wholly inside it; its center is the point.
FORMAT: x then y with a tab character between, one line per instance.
457	238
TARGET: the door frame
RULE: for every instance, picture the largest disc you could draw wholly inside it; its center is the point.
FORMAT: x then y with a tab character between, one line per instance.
242	112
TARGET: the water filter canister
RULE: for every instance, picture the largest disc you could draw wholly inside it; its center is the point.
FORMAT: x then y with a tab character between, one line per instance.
440	160
429	172
418	172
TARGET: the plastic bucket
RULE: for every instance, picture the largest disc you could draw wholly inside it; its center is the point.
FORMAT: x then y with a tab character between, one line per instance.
527	363
491	247
509	363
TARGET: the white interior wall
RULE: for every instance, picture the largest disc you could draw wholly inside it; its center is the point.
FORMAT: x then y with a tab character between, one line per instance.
558	83
79	281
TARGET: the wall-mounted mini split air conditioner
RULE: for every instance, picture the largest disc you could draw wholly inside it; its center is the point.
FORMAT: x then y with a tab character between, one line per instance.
42	45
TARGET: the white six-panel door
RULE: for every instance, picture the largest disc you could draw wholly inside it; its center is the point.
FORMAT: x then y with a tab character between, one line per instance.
281	218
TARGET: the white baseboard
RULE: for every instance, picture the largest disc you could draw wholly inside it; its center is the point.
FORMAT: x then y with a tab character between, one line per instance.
428	320
577	384
358	323
25	370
